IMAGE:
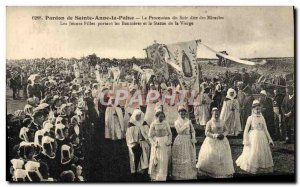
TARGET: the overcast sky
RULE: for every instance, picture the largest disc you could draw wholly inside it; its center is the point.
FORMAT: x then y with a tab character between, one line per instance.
244	32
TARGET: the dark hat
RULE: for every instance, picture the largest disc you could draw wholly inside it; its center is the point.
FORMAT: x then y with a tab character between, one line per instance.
67	176
38	113
247	90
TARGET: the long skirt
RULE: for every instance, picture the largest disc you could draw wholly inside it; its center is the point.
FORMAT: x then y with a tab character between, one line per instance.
233	124
183	158
171	114
150	113
159	160
142	162
202	114
215	158
256	157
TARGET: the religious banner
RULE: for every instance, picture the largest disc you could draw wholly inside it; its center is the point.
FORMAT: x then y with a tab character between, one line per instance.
156	54
183	57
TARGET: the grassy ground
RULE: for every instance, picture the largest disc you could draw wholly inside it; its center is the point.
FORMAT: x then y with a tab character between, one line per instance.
283	155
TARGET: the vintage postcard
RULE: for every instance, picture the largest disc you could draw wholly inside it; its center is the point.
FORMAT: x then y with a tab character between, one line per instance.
147	94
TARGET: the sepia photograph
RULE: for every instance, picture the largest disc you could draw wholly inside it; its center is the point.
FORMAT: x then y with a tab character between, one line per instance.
143	94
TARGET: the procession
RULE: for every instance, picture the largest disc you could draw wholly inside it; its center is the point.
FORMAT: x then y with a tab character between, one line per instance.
94	119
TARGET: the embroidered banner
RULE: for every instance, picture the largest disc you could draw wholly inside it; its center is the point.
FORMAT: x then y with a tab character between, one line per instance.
183	57
156	54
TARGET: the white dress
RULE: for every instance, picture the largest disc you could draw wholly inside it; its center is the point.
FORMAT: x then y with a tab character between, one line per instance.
215	158
184	151
150	112
170	107
129	108
201	111
160	136
114	123
256	156
230	114
171	113
138	134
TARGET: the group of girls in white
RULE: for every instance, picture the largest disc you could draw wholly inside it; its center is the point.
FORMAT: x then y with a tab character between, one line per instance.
151	148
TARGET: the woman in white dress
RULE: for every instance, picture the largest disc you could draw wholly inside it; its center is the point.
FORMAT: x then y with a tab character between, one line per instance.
169	101
202	108
256	156
137	142
151	105
215	158
114	121
131	104
230	113
183	150
160	137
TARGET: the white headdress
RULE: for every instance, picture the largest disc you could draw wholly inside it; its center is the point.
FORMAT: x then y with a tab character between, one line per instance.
263	92
133	118
23	134
38	137
66	158
47	126
32	169
59	131
230	90
48	141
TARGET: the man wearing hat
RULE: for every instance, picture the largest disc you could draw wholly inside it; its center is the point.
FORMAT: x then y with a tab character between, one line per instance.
217	95
38	117
267	111
277	102
288	111
247	105
241	99
37	89
14	85
245	76
95	95
91	110
236	76
24	83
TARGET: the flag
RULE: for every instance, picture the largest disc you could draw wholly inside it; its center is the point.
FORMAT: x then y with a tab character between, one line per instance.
156	54
137	68
115	72
183	58
235	59
148	73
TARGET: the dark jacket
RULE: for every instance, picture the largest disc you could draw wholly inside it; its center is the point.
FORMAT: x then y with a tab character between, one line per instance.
288	105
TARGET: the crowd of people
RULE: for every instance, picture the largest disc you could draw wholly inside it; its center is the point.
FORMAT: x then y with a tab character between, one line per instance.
73	129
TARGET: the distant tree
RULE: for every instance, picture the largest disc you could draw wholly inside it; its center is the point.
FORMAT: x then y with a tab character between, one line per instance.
114	62
92	59
133	60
